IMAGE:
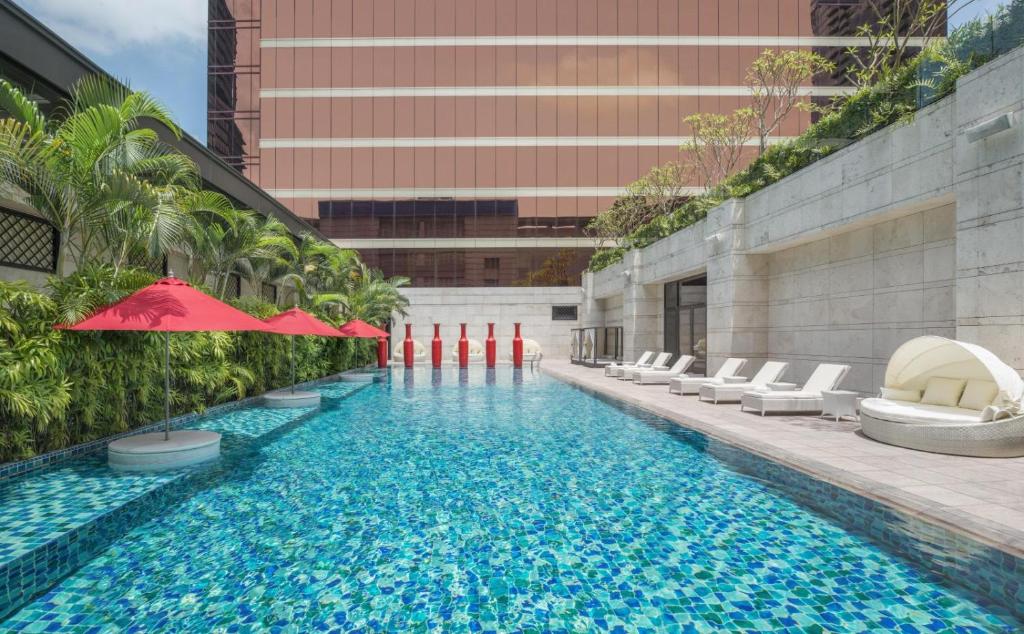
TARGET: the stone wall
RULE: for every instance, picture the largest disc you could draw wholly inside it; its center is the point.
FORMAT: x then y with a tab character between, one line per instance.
856	296
914	230
502	305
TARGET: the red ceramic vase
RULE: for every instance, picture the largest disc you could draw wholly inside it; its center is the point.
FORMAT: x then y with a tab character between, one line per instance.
463	348
435	347
382	352
407	348
491	346
517	348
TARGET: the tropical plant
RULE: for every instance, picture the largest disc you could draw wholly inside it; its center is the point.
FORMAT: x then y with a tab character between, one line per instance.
227	241
367	295
318	267
34	391
95	172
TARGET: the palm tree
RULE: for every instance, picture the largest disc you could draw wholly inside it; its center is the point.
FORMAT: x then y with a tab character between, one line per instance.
93	171
319	267
226	241
371	297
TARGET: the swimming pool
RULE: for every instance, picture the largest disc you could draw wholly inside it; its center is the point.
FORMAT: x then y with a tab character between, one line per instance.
494	502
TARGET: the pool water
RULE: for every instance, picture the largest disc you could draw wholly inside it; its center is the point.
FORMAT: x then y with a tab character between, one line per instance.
468	503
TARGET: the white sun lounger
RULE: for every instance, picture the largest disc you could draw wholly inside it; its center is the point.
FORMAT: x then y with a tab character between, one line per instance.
661	377
807	399
643	362
626	373
691	384
728	392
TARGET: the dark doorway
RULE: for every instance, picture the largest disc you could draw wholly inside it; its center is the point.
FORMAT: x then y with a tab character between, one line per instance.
686	321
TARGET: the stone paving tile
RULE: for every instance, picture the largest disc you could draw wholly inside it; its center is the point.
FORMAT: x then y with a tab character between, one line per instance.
962	493
941	494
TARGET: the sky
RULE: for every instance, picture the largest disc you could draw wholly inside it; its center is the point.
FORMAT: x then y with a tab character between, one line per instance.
153	45
160	45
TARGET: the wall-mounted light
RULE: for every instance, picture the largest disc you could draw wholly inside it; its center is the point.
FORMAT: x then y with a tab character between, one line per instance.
990	127
627	274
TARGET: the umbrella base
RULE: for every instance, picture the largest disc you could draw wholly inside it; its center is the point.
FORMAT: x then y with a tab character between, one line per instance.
287	398
150	452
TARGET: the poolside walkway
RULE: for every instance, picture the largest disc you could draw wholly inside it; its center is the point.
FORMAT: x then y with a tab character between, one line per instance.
982	497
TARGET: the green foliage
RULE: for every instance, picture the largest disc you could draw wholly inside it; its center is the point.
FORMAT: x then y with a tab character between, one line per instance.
894	99
59	388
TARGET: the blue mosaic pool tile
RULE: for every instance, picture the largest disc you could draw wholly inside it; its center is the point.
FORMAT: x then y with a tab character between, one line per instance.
520	506
53	520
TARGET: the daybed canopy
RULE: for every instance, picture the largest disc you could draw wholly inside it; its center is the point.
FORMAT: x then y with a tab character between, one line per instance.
921	358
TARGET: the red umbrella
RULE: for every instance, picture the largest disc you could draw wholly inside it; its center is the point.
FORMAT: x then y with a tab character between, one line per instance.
169	305
296	321
363	330
359	328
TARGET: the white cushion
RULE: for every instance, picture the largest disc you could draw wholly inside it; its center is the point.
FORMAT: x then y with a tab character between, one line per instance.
784	394
917	413
978	394
943	391
908	396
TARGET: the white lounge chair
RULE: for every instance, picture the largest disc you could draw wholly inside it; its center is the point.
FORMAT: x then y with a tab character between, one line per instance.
732	391
476	351
807	399
948	396
643	362
691	384
625	373
661	377
419	352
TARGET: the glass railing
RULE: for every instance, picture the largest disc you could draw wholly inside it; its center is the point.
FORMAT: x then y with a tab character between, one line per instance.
595	347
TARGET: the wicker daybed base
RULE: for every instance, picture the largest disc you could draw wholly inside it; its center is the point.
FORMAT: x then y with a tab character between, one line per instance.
999	439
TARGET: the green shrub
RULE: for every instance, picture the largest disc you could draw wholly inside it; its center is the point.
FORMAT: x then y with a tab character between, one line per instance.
894	99
59	388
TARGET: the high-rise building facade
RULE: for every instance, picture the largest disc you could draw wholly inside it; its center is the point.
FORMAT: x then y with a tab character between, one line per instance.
468	142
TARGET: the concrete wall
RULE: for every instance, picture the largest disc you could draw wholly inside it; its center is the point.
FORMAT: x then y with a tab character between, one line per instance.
913	230
989	185
859	294
502	305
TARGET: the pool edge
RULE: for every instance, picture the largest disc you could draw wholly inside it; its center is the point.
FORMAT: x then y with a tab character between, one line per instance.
891	497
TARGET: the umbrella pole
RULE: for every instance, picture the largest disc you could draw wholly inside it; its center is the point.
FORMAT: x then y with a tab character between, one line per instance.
167	385
293	363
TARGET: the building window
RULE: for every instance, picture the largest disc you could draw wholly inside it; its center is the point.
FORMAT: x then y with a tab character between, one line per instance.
234	290
563	313
491	263
27	242
269	293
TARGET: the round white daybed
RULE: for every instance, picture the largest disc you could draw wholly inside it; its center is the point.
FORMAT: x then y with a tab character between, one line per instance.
983	419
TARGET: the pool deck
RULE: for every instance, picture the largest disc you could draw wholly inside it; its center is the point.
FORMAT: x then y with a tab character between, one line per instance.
979	497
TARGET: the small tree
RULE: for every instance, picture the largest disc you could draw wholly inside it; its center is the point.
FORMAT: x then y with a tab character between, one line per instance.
775	81
655	194
716	142
890	35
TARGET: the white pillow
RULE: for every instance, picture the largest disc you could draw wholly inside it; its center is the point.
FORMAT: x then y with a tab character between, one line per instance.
978	394
908	396
943	391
